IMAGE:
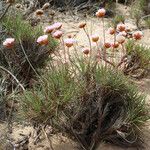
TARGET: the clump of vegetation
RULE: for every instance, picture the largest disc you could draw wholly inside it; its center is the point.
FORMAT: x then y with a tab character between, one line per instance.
147	22
51	95
138	64
26	57
117	19
88	97
3	97
106	112
139	9
85	96
96	104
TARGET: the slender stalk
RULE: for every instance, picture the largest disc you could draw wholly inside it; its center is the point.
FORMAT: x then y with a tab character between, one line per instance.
64	49
68	52
17	81
104	30
123	53
104	40
88	36
113	50
48	139
98	51
123	50
6	10
27	58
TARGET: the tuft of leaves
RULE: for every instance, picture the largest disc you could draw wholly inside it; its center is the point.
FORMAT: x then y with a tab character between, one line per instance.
147	22
138	59
52	94
117	19
89	102
106	112
26	51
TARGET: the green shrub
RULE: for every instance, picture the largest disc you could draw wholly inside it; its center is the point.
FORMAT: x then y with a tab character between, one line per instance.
117	19
51	95
138	58
147	22
25	47
106	112
90	103
138	10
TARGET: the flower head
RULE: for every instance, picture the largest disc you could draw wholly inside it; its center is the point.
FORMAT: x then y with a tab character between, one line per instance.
86	51
49	29
120	39
111	31
95	38
10	1
128	29
107	45
123	33
101	13
121	27
57	34
57	25
45	6
69	36
43	40
82	25
18	6
69	42
39	12
137	35
9	43
115	45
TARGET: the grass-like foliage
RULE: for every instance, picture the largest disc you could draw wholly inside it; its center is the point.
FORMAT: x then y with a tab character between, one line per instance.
117	19
106	111
138	58
82	94
3	97
147	22
139	9
87	96
26	53
92	104
53	93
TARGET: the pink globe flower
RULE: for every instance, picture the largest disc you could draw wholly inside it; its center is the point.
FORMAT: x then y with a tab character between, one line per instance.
57	25
57	34
115	45
9	43
69	42
123	33
111	31
107	45
121	27
120	39
69	36
86	51
137	35
49	29
43	40
95	38
101	13
39	12
82	25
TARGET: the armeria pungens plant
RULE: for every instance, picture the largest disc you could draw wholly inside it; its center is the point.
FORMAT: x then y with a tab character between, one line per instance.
87	96
20	53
